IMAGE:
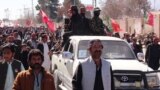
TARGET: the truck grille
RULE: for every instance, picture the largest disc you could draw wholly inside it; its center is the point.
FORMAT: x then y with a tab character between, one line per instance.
128	80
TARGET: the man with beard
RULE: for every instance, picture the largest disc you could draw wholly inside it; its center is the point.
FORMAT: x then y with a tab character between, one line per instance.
94	73
36	77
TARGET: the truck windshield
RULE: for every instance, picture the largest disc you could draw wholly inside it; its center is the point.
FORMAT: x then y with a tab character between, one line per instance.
111	50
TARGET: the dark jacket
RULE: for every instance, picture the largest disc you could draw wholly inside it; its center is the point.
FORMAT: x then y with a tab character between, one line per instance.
136	48
23	58
97	26
75	25
41	48
152	56
85	26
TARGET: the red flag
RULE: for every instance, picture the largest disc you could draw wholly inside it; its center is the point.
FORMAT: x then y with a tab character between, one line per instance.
150	20
46	20
89	7
28	22
115	26
44	16
51	26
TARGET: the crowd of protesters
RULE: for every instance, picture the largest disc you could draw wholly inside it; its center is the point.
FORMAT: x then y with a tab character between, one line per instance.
26	39
16	45
148	45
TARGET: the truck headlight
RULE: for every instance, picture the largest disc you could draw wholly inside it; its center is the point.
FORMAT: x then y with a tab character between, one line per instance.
117	83
153	80
138	84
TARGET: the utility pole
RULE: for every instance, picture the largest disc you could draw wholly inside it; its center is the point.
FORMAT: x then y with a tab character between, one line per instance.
95	3
32	9
75	2
154	4
7	12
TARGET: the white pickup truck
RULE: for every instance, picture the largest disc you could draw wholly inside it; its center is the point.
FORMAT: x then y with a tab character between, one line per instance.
129	72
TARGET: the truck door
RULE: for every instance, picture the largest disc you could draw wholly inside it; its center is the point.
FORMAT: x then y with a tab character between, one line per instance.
68	67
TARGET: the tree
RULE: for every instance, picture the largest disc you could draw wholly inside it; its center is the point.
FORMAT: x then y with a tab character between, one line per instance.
50	7
119	8
56	11
42	5
68	3
112	8
53	8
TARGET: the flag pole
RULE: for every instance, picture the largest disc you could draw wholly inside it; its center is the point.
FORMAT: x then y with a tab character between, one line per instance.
154	4
95	3
32	11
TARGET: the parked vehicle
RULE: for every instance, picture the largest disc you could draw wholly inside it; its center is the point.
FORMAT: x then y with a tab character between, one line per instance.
129	72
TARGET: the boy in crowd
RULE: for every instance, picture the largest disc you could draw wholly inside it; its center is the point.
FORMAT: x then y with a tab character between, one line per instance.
9	67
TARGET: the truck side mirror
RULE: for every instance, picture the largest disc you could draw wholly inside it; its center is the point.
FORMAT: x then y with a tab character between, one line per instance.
140	57
67	55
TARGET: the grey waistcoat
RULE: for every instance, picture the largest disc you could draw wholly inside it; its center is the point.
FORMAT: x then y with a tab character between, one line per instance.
89	74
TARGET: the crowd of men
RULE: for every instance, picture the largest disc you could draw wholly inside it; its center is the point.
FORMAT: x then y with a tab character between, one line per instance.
31	47
25	39
27	49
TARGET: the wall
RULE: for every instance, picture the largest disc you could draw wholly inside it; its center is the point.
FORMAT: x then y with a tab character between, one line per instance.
132	25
